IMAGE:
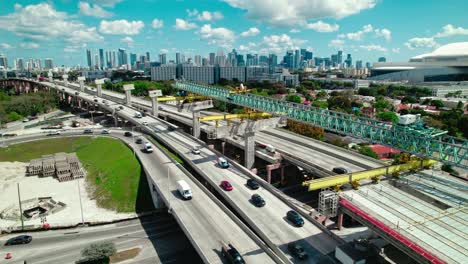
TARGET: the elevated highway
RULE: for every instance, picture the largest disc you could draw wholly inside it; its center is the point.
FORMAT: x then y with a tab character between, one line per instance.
204	220
268	223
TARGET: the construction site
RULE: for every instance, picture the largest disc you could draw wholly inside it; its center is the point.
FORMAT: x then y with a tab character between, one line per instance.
63	166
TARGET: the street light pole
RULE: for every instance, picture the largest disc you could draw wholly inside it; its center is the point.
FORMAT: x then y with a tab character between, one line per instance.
168	190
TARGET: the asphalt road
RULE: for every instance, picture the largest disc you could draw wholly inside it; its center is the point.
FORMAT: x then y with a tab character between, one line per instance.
160	238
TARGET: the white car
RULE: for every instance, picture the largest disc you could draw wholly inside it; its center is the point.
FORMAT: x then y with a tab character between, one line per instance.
196	151
145	123
105	131
53	133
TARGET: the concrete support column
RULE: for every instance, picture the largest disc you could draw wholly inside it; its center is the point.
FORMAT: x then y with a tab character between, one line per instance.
249	149
99	84
196	123
116	121
65	80
340	221
223	145
81	80
154	94
282	175
79	102
269	169
128	93
51	77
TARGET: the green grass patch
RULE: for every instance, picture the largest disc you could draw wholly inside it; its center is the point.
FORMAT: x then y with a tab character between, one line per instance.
114	176
173	155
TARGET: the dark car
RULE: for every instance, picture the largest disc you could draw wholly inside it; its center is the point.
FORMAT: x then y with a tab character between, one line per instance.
232	254
128	134
139	140
257	200
88	131
121	107
297	251
23	239
340	170
253	184
295	218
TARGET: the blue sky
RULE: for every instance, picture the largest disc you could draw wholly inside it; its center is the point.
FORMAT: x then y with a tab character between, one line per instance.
368	29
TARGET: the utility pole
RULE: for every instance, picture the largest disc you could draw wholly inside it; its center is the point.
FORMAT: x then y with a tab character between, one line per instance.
20	206
168	190
81	205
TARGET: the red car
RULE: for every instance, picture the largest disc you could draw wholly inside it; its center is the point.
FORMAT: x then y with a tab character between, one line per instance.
226	186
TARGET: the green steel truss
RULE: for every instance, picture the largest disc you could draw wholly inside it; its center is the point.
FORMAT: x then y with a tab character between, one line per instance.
424	142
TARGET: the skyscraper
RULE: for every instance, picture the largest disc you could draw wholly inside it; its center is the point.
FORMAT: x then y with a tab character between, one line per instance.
297	59
359	64
133	59
340	57
122	57
198	60
220	58
113	62
3	61
107	60
162	58
88	58
212	58
148	56
309	55
20	64
273	60
349	61
263	60
177	58
382	59
240	60
48	64
101	59
288	60
249	60
96	62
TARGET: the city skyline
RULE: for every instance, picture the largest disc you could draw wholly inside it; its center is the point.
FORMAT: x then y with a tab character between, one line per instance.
64	31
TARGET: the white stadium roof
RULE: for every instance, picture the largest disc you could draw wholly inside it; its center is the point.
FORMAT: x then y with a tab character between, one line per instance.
450	50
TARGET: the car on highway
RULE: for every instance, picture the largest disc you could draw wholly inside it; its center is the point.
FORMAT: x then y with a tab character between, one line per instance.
184	189
139	140
295	218
297	251
105	131
128	134
226	185
22	239
25	120
340	170
88	131
121	107
144	123
196	151
223	163
53	133
257	200
253	184
230	252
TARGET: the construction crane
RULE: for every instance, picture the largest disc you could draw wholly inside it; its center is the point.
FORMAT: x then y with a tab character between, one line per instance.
416	139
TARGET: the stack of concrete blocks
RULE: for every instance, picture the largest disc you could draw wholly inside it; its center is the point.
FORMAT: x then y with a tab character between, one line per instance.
62	167
48	165
75	166
34	167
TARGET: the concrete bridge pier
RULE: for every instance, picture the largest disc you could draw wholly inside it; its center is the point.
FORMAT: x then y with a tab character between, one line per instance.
99	84
196	123
128	93
81	80
154	101
272	167
65	80
51	76
249	149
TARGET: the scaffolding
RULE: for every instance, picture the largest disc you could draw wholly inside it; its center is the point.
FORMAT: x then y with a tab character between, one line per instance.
328	203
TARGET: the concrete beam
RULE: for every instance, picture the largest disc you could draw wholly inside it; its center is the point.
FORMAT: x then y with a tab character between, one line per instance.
81	80
196	124
128	93
65	80
154	94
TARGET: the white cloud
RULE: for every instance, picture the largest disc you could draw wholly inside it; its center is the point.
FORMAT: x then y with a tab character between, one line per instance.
184	25
373	47
421	43
29	45
107	3
43	22
157	23
396	50
321	26
127	40
298	12
280	43
208	16
248	48
6	46
163	51
217	36
74	48
253	31
336	43
192	13
94	11
294	30
121	27
449	30
384	33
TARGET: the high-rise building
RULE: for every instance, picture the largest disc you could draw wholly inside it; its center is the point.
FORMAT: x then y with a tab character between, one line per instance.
48	64
20	64
368	65
288	60
263	60
107	60
3	61
240	60
148	59
249	60
177	58
273	60
162	58
382	59
198	60
96	62
30	64
309	55
88	58
297	59
142	58
101	59
114	61
133	59
359	64
340	57
220	58
212	58
349	61
205	62
122	57
334	59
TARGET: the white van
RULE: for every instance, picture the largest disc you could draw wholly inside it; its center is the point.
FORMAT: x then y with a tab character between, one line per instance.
184	189
138	115
148	148
270	148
